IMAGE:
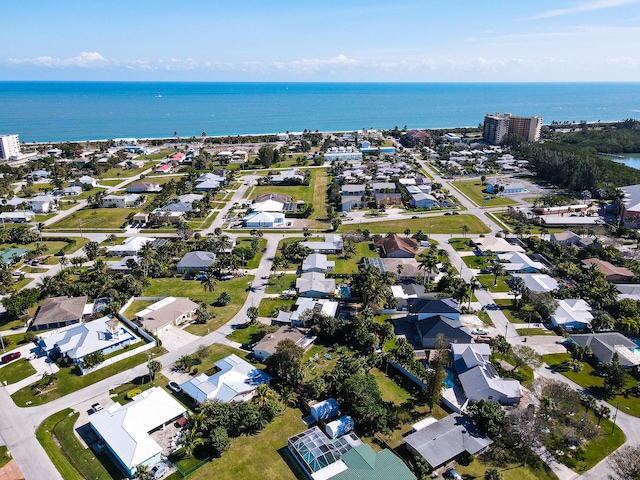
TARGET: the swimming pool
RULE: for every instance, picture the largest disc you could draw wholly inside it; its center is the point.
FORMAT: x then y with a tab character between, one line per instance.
450	379
345	291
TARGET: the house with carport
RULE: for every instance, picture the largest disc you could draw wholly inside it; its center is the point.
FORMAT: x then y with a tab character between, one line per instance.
160	316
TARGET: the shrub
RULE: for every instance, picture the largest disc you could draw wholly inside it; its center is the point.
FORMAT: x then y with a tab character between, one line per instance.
133	393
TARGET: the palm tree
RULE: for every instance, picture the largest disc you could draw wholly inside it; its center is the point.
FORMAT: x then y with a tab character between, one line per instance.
399	269
64	261
428	264
146	254
473	286
191	440
498	271
208	281
264	394
465	229
40	228
349	250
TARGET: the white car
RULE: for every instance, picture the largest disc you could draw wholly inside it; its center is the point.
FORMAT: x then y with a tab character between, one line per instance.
480	331
159	470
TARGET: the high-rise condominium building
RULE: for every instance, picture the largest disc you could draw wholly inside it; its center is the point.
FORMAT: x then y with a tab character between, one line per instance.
9	147
497	126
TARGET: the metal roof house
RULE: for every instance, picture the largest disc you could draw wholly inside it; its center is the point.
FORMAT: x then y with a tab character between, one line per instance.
196	261
235	381
126	429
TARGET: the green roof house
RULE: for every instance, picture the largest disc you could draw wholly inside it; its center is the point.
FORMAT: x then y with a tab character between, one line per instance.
364	463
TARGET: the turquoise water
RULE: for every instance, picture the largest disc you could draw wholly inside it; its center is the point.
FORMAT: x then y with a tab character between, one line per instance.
58	111
450	378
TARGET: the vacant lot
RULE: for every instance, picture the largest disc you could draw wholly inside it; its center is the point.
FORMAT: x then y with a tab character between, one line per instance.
444	224
94	219
473	190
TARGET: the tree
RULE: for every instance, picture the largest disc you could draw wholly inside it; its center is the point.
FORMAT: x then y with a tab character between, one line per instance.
21	301
223	299
428	264
440	359
335	223
349	250
492	473
489	417
154	367
474	285
526	355
360	397
625	463
218	441
614	375
518	288
286	362
465	229
602	411
252	314
143	472
500	344
498	271
209	280
92	360
267	155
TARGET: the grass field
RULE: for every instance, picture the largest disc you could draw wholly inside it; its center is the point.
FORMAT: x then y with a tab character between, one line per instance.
135	307
476	261
68	381
177	287
514	314
260	456
16	371
444	224
350	265
278	284
45	436
535	331
268	305
487	282
512	471
94	219
589	379
251	333
473	190
246	242
5	456
460	244
315	193
124	174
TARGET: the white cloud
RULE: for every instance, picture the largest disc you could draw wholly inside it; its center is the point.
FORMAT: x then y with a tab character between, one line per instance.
84	60
314	64
584	7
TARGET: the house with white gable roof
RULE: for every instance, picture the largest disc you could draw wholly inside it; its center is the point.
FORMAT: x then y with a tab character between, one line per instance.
125	429
572	314
130	246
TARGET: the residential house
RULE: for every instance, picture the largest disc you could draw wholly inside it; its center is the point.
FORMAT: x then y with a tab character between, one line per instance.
22	216
57	312
630	214
235	381
395	246
124	265
332	244
168	215
143	187
264	220
605	345
284	199
348	203
613	273
565	238
484	245
291	176
267	346
217	176
386	199
208	185
315	285
267	206
351	190
423	200
39	175
363	462
448	439
121	201
189	198
125	429
631	290
169	311
129	247
572	314
42	204
75	341
538	282
479	378
84	180
383	187
431	327
423	308
166	168
178	207
497	186
12	255
404	291
519	262
69	192
317	262
296	316
196	261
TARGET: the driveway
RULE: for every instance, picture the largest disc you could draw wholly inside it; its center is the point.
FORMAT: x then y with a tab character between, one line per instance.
175	338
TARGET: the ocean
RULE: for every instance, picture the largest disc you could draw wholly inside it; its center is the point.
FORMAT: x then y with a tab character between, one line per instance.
75	111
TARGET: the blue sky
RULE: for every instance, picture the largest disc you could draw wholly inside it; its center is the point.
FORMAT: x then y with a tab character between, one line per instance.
397	41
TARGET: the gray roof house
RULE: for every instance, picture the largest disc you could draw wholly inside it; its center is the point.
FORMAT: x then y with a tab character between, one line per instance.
604	345
317	262
315	285
479	379
196	261
446	440
332	244
424	308
169	311
57	312
431	327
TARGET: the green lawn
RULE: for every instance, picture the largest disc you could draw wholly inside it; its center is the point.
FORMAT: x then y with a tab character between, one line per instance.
315	193
251	333
5	457
268	306
192	289
260	456
94	219
45	436
594	383
124	174
476	261
142	383
473	190
514	314
460	244
443	224
511	471
246	242
487	281
68	381
135	307
278	284
16	371
535	331
350	265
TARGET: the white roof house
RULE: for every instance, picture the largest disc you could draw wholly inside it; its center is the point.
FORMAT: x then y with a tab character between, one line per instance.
317	262
125	428
538	282
236	380
264	220
324	306
42	203
572	314
313	284
267	206
496	245
519	262
130	247
105	334
332	244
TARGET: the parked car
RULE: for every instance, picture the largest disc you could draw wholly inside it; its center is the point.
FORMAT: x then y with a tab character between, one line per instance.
59	254
416	216
159	470
482	339
174	387
480	331
96	407
11	356
452	474
226	277
18	273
